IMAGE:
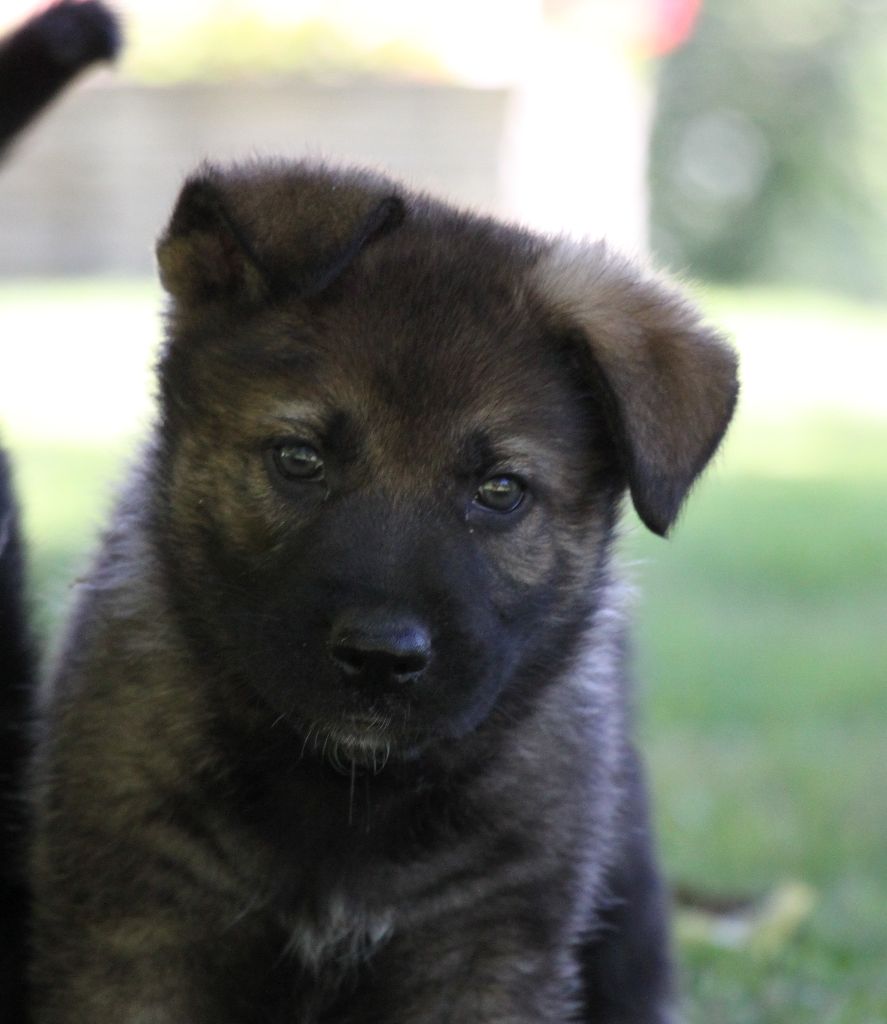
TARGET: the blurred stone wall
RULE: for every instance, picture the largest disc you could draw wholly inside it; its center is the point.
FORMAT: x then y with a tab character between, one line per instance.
88	189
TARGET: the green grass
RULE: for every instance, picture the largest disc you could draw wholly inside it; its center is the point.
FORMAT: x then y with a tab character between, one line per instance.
65	492
762	646
761	652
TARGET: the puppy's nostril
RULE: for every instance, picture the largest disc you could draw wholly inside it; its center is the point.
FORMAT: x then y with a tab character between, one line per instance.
409	665
378	646
351	659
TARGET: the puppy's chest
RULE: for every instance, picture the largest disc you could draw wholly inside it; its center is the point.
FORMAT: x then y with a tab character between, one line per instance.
341	900
350	878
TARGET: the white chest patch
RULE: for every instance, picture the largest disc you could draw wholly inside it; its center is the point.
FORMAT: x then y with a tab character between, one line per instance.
341	933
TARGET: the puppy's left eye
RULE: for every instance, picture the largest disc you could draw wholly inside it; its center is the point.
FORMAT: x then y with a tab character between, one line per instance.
500	493
295	460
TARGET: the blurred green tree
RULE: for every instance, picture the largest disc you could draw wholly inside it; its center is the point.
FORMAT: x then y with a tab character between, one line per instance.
769	153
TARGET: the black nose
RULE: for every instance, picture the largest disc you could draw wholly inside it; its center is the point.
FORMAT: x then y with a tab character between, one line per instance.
380	646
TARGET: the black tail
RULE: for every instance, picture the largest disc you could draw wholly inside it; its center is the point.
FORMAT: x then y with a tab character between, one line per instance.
39	59
36	62
16	683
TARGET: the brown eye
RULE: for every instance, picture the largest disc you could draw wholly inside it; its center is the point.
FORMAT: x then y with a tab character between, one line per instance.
500	494
295	460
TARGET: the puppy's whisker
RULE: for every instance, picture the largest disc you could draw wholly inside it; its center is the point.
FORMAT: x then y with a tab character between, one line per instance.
351	793
306	741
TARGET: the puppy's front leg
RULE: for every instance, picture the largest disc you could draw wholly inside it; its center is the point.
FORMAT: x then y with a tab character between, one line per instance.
126	973
86	990
109	956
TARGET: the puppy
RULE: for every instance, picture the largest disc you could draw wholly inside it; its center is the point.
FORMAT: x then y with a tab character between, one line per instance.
340	729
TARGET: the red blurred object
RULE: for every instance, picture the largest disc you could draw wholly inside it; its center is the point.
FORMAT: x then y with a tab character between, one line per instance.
671	24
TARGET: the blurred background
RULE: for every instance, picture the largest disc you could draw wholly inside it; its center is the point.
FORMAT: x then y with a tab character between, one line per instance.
744	147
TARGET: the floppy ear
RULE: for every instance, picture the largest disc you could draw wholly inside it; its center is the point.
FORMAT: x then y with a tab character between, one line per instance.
668	383
249	234
203	255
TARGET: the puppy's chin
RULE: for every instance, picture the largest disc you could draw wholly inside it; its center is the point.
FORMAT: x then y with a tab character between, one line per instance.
365	742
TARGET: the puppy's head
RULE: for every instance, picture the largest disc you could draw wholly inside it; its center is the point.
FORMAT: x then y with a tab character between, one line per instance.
394	441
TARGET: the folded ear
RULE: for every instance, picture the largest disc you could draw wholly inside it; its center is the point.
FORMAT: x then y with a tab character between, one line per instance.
203	255
249	234
667	382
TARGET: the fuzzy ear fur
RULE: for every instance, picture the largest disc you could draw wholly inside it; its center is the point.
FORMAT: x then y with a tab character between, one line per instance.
203	255
668	382
253	233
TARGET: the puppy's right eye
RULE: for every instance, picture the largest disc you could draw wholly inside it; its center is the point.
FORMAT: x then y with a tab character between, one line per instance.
295	460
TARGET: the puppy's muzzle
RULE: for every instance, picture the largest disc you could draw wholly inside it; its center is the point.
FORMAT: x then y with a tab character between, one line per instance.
379	646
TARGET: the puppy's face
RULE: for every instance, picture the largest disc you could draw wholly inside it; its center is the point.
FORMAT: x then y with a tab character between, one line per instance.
388	495
391	507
